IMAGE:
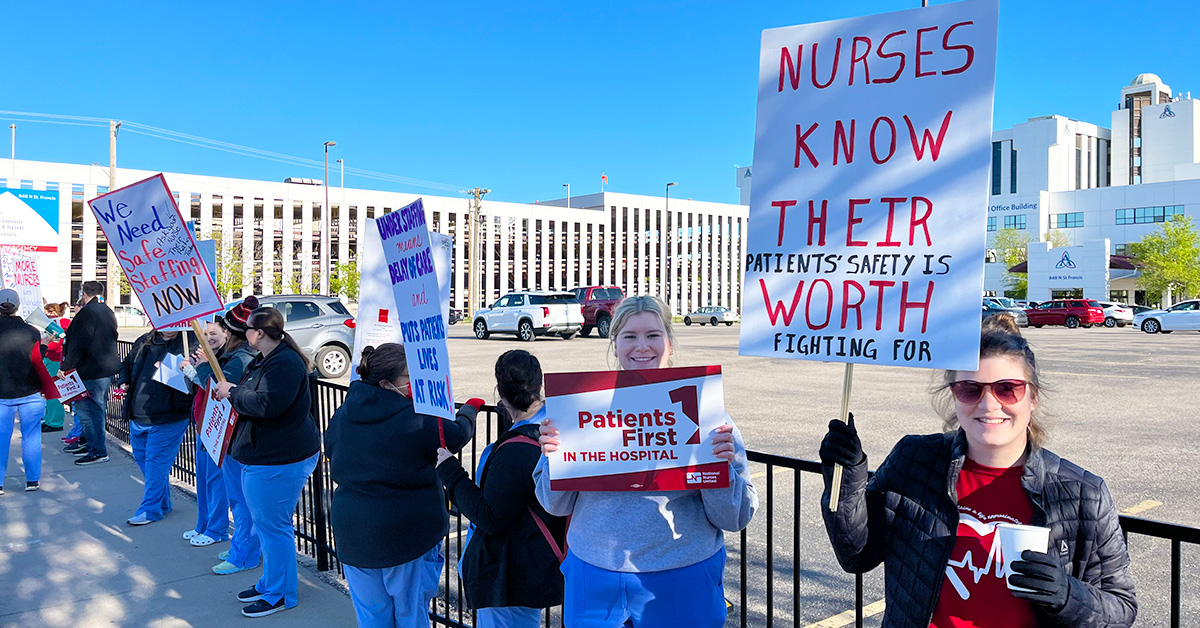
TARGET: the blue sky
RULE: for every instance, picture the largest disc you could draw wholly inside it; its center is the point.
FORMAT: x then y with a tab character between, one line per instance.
517	98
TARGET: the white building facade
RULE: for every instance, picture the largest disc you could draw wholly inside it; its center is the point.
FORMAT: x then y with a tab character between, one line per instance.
689	252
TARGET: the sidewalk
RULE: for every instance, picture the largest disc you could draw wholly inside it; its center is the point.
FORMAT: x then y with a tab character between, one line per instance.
68	559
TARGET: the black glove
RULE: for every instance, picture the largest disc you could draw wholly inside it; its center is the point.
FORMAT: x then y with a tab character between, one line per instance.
1041	573
841	444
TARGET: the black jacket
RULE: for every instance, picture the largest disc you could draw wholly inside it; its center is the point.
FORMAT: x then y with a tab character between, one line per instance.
149	402
388	507
18	377
90	346
906	517
274	425
508	561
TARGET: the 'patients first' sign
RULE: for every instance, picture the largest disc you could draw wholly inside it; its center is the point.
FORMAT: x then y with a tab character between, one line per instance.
157	251
871	154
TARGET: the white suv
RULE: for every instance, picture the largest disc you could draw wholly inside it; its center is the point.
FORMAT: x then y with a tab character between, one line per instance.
530	314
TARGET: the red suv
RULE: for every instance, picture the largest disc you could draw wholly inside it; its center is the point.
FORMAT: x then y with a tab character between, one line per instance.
598	303
1070	312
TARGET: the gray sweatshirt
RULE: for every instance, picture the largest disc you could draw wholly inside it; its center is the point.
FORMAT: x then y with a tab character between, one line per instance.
641	532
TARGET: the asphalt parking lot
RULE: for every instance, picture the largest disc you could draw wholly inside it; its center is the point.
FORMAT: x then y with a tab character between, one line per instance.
1121	403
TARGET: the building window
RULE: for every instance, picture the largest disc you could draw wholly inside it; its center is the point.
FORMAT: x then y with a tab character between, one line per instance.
1120	296
1012	176
1015	222
996	152
1066	221
991	223
1121	249
1144	215
1079	163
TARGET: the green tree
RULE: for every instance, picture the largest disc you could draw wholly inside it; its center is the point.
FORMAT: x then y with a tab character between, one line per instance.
231	274
1169	258
345	280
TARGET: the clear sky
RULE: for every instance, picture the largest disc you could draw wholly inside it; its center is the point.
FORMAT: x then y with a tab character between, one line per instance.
517	97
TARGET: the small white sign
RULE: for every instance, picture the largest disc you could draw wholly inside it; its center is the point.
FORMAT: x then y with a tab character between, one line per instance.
216	427
71	388
168	373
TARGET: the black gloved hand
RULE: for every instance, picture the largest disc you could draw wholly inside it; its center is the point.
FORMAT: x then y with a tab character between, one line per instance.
841	444
1041	573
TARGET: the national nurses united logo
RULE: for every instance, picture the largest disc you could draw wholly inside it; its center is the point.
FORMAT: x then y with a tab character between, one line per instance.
1065	262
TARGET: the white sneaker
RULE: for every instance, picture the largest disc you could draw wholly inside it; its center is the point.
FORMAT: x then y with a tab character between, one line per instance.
190	534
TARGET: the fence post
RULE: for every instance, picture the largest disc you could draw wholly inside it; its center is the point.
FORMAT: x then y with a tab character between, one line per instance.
319	506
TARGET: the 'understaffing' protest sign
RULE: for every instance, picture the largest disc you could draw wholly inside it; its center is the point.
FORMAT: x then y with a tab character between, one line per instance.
646	430
157	252
404	235
867	214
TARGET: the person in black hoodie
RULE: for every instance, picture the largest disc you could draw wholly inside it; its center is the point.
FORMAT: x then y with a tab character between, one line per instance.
389	512
278	445
21	387
90	348
510	568
158	418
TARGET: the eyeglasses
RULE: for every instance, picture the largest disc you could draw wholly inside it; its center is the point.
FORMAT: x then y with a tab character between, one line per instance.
1006	391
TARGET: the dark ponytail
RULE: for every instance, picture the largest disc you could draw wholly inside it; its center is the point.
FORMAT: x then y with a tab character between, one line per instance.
270	321
519	379
383	363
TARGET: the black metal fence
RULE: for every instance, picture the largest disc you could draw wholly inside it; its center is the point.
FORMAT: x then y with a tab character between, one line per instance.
314	533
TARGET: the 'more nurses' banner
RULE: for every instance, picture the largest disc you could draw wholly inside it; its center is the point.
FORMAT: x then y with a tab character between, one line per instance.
404	236
648	430
867	215
157	252
20	273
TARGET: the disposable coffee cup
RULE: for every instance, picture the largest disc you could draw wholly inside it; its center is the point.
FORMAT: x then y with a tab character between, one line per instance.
1016	538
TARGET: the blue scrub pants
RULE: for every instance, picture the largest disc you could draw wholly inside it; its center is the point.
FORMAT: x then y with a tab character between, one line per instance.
508	617
692	596
396	597
155	448
212	504
244	549
24	409
91	412
272	492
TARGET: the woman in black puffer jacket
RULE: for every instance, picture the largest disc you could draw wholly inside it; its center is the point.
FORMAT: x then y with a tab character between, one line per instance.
930	512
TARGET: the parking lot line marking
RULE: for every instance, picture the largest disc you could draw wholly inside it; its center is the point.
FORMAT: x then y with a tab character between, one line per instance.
1138	509
763	474
847	618
1098	375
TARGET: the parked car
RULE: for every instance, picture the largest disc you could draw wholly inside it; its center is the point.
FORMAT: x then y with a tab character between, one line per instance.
1069	312
1138	309
1003	302
321	325
529	315
1179	317
1116	314
991	308
598	303
454	317
712	315
130	316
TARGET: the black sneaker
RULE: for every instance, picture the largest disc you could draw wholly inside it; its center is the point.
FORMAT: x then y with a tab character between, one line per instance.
51	428
92	459
249	595
31	486
75	449
262	608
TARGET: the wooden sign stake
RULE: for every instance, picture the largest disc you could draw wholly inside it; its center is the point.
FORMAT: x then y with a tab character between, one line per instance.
208	353
835	492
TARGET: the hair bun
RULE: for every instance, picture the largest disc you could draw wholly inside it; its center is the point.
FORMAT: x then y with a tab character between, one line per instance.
250	302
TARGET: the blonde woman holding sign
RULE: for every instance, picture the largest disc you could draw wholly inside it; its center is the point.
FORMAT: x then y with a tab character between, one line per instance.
938	511
652	558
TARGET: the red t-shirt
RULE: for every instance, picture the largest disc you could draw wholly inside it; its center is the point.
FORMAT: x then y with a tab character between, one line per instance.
974	594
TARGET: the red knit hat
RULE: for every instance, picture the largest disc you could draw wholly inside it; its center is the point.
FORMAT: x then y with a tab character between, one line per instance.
235	319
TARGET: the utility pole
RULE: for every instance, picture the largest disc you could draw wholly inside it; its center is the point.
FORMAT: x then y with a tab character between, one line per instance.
14	152
325	235
473	252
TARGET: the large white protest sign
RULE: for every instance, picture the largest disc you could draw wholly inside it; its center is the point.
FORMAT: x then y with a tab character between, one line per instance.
157	252
20	273
646	430
867	216
376	322
404	237
216	427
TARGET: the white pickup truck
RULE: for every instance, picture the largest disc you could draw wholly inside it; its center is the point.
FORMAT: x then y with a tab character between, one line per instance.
530	314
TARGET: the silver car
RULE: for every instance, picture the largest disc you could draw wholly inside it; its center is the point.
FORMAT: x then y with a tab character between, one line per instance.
713	315
322	326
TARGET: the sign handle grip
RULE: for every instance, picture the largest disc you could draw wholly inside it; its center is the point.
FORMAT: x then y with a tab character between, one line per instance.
208	353
835	491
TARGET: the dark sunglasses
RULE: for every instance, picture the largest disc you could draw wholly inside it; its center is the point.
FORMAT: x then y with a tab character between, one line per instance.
1006	391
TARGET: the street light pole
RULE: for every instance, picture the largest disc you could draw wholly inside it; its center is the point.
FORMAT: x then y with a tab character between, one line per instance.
674	265
14	151
325	270
568	186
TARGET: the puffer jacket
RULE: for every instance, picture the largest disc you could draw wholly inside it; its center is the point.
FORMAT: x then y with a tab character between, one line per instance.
906	517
